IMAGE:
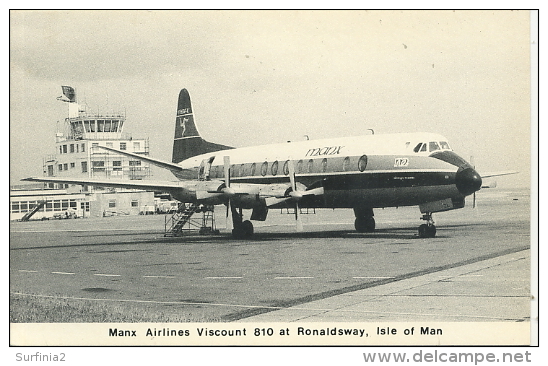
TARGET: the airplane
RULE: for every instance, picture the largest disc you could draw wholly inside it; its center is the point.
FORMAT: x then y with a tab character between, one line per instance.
360	173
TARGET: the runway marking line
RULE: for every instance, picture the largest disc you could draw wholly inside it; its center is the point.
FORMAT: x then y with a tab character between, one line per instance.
63	273
27	271
373	278
292	278
106	275
221	277
159	277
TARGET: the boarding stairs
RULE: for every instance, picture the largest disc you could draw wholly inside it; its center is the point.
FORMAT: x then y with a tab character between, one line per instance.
182	221
29	214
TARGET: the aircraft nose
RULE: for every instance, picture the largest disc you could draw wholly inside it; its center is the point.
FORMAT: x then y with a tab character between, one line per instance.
468	181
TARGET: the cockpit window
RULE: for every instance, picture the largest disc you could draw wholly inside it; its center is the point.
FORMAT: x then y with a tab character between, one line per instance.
418	147
444	145
434	146
423	148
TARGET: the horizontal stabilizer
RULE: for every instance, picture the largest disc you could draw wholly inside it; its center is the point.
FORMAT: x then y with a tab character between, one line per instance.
131	184
498	174
157	162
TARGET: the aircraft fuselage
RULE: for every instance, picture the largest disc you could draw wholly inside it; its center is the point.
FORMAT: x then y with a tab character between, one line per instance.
371	171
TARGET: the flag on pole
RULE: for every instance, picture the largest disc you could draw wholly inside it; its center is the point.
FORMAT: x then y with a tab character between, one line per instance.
69	95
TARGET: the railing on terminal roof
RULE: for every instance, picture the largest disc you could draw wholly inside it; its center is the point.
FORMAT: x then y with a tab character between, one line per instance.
98	115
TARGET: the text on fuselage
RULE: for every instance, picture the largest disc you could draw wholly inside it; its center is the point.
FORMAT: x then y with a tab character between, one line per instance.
327	150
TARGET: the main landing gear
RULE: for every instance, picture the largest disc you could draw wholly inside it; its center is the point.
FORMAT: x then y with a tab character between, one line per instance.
365	222
427	230
242	229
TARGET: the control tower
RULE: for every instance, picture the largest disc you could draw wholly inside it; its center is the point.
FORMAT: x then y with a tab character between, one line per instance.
77	154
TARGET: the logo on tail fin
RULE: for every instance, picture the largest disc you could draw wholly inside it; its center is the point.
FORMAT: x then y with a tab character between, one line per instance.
183	125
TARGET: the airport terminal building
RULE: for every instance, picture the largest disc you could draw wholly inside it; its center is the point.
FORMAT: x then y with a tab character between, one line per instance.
77	155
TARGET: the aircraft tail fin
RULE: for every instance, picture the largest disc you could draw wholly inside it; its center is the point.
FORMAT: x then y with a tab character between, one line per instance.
187	141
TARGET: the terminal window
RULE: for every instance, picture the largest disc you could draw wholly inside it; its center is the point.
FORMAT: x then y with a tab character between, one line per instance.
112	204
123	146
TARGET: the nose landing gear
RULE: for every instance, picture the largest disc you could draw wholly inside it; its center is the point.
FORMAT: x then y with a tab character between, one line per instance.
365	222
427	230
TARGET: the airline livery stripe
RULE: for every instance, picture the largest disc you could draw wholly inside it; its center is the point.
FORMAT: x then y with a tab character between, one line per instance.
186	137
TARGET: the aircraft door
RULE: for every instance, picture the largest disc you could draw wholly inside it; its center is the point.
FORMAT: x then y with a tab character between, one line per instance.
205	168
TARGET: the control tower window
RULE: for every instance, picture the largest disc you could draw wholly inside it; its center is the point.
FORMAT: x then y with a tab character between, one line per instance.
114	127
434	146
107	125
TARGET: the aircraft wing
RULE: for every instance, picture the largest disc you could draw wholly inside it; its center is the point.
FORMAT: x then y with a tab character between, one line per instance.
157	162
132	184
498	174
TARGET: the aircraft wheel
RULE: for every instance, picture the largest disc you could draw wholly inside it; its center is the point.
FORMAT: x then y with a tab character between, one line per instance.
247	228
364	224
427	231
243	231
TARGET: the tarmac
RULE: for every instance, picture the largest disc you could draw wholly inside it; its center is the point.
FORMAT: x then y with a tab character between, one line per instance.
495	289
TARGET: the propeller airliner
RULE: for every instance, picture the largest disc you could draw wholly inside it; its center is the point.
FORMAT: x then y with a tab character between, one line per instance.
360	173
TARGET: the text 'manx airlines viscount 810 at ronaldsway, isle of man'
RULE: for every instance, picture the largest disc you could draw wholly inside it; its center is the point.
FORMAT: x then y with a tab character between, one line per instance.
361	173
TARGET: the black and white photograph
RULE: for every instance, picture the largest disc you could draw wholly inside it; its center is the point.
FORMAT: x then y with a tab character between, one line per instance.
272	178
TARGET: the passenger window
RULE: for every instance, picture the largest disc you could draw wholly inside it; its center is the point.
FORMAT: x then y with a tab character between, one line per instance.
346	164
253	167
324	165
300	166
362	163
274	168
310	166
286	167
434	146
264	168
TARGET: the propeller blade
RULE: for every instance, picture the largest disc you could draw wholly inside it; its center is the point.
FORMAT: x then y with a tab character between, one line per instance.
296	195
291	167
229	222
227	171
474	195
298	217
474	200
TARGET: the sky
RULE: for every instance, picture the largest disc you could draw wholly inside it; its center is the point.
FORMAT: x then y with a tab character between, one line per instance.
260	77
